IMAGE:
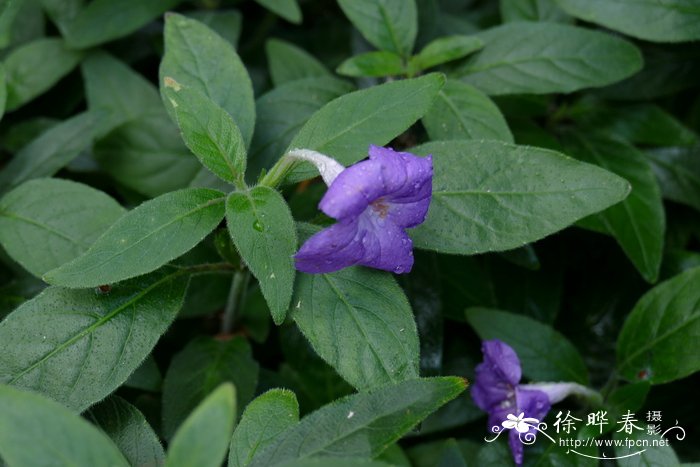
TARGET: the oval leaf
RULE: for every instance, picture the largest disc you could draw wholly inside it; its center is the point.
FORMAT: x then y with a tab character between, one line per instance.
463	112
268	416
443	50
28	418
637	223
287	9
345	127
288	63
359	321
208	130
77	346
493	196
129	430
47	222
372	64
105	20
667	21
364	424
196	371
35	67
145	239
203	438
51	151
387	24
198	58
263	230
658	340
539	58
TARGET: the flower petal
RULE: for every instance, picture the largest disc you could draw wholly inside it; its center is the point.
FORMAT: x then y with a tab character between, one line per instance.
387	246
516	446
411	214
353	190
502	360
331	249
534	403
408	178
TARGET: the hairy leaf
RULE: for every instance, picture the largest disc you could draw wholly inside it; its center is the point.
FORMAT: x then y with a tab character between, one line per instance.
144	239
77	346
45	223
262	228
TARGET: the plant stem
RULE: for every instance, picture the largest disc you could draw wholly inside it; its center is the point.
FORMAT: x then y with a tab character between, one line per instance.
278	172
238	284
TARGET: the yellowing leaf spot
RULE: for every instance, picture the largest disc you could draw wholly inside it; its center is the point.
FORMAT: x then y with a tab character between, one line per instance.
171	83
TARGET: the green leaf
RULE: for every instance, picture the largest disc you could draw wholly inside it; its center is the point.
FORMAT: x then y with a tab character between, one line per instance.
144	239
198	369
372	64
102	21
667	70
364	424
335	462
262	228
208	130
111	86
282	112
643	124
657	451
62	12
265	418
8	12
544	353
129	430
77	346
287	9
198	58
38	431
45	223
359	321
678	173
532	10
147	377
637	223
345	127
657	340
147	155
226	23
494	196
463	112
3	90
540	58
387	24
443	50
51	151
289	63
203	438
668	21
34	68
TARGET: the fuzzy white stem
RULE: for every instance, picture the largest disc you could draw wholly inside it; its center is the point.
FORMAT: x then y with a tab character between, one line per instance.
328	168
560	391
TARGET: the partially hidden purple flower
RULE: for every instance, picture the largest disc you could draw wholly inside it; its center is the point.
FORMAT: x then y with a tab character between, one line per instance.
497	391
374	202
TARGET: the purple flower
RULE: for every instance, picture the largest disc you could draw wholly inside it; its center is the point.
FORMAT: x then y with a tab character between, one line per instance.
374	202
497	391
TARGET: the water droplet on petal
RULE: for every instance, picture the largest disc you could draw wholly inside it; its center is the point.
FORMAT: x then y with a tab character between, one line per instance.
398	269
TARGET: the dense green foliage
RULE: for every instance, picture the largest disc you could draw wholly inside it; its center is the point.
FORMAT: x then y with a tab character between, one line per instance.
150	309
